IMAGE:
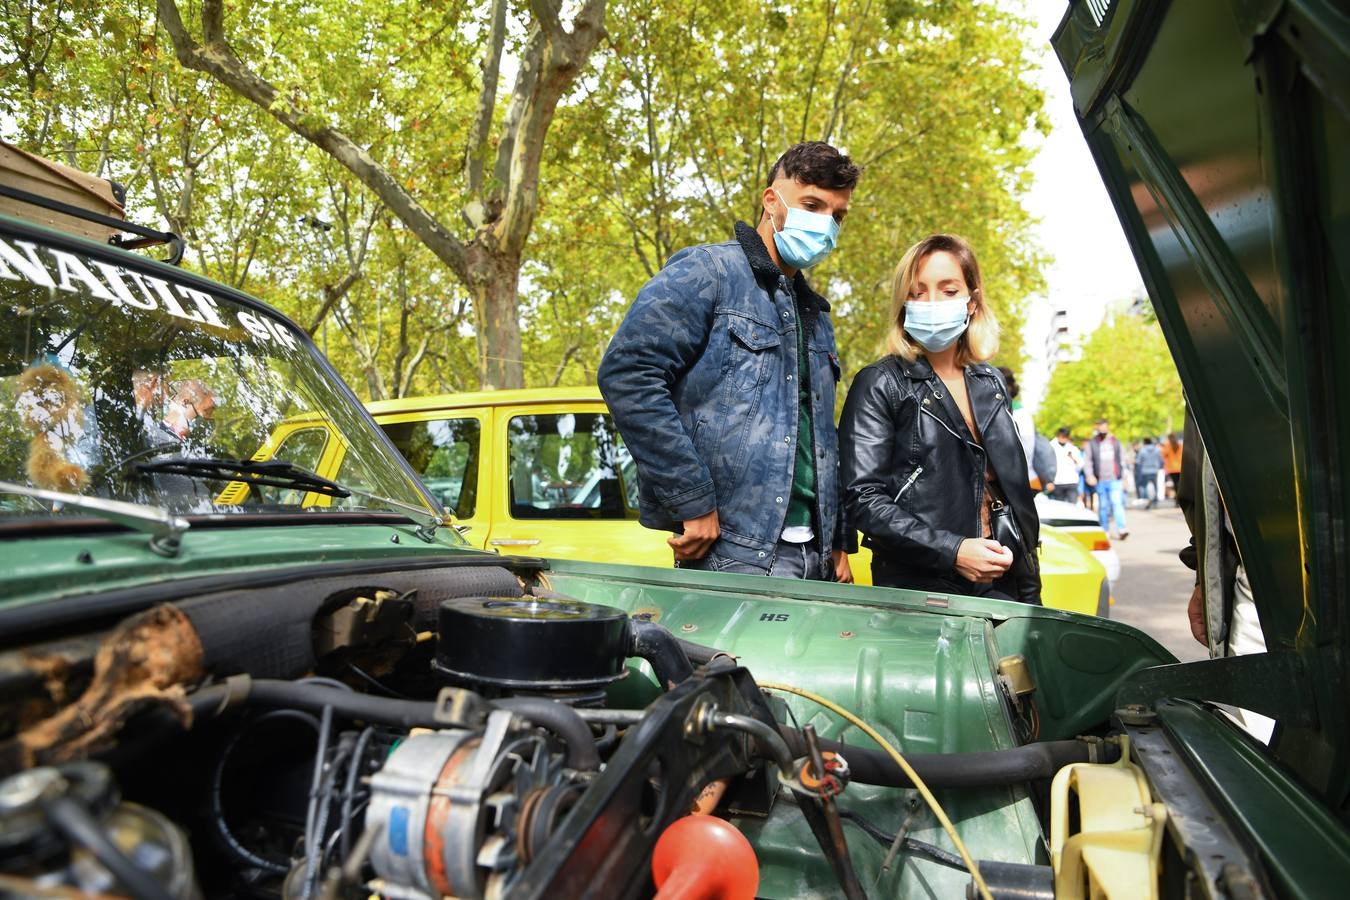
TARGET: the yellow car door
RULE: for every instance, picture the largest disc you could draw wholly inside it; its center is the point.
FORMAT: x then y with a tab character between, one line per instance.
567	488
448	450
308	443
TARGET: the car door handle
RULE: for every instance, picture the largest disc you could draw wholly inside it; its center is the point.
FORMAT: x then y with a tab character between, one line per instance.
513	542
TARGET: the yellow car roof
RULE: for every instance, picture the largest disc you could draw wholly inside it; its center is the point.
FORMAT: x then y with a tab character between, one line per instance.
486	398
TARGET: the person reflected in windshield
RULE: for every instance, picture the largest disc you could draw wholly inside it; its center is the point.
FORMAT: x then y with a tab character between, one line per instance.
933	469
193	405
150	391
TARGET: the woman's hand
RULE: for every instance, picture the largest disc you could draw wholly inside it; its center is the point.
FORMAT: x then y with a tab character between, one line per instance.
843	572
982	561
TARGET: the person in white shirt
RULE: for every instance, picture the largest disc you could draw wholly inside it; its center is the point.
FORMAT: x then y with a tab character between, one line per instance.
1068	463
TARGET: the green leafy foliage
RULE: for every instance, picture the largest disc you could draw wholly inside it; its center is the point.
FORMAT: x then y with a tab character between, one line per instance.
664	140
1126	375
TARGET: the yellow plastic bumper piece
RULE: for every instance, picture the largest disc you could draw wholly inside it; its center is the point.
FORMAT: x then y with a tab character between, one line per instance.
1116	849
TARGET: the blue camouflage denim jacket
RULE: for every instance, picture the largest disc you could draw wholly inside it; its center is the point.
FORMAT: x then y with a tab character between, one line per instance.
701	379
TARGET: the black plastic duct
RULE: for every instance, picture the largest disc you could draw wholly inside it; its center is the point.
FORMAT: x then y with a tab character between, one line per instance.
268	632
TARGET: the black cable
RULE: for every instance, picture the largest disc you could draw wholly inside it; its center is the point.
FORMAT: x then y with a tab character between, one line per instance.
606	742
984	768
923	848
559	718
221	827
375	682
75	822
312	809
326	681
353	773
563	721
326	792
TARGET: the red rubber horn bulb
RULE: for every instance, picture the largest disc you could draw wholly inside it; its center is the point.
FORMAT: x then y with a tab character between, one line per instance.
704	858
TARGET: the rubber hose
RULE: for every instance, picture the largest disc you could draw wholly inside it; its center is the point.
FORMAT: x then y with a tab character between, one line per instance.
659	647
983	769
560	719
75	822
700	655
563	721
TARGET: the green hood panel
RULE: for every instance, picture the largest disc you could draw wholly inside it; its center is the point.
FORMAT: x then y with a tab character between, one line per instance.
1221	129
921	669
881	650
48	568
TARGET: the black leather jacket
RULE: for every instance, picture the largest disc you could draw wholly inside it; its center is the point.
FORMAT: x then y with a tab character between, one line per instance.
901	433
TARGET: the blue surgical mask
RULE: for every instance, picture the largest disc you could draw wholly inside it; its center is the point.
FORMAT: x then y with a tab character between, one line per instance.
936	324
806	238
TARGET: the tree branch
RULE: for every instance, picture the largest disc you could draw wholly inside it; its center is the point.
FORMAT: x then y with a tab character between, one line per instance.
476	149
217	59
551	62
571	351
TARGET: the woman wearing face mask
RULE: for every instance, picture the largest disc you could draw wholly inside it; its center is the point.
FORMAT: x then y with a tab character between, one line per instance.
932	466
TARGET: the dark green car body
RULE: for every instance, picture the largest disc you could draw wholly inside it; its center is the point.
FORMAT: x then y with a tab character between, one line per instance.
1244	239
1221	130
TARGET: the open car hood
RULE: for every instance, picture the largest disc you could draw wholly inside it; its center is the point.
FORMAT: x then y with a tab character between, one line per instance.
1221	131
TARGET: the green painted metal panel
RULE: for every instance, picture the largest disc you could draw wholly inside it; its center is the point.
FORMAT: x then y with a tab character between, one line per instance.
50	567
1220	128
919	668
1305	849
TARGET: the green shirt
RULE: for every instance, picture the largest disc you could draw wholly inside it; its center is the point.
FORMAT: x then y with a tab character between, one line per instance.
803	467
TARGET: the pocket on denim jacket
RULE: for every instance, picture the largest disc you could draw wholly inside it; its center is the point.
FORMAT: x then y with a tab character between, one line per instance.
749	352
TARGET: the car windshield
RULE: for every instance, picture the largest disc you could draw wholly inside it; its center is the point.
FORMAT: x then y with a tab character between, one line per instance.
154	389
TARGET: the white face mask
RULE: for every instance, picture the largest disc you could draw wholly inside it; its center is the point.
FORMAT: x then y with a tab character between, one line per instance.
937	324
806	237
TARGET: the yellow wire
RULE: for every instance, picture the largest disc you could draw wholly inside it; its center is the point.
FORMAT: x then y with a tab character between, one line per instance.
904	766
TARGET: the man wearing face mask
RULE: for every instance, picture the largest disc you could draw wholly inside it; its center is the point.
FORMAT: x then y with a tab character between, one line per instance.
722	379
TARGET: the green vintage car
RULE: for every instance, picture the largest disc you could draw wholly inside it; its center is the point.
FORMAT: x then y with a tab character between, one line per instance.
207	691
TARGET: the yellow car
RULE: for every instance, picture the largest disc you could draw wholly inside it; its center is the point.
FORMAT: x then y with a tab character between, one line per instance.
544	472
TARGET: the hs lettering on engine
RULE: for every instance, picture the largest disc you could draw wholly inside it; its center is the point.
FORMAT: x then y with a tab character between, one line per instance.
773	617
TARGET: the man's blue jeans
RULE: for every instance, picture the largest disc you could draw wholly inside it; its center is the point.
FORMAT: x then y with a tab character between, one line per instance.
1111	496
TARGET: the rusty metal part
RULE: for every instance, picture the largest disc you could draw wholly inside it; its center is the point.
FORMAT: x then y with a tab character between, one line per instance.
709	797
848	878
145	662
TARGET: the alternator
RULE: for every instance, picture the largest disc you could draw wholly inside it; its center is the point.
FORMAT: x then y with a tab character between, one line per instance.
449	806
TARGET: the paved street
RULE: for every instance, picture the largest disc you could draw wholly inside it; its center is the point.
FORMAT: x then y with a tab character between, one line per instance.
1154	586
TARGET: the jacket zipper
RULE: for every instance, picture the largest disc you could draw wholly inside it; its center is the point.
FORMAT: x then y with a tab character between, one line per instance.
909	483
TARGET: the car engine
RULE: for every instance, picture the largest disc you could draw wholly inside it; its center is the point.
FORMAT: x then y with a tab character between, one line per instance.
416	734
448	730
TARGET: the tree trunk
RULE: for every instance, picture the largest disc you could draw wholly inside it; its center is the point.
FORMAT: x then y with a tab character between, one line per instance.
502	213
494	278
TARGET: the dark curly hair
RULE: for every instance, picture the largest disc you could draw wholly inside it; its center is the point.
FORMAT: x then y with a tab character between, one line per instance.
817	163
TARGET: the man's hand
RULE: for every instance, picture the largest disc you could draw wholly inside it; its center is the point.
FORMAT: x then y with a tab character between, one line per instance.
1091	482
699	536
981	560
1195	611
843	572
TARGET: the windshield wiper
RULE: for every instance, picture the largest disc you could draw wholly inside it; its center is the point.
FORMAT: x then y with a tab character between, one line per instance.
165	529
284	474
264	472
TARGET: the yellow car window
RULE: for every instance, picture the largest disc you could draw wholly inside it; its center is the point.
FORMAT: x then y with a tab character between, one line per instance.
445	453
567	466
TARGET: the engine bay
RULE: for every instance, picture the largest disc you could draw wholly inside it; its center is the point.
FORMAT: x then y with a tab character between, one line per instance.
466	731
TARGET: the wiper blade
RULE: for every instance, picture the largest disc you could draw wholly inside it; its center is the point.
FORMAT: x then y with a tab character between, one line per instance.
165	529
284	474
264	472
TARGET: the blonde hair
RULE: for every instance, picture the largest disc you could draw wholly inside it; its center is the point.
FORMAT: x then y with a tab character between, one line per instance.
980	340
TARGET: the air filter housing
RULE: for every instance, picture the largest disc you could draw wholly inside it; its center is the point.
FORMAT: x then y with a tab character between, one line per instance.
527	645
